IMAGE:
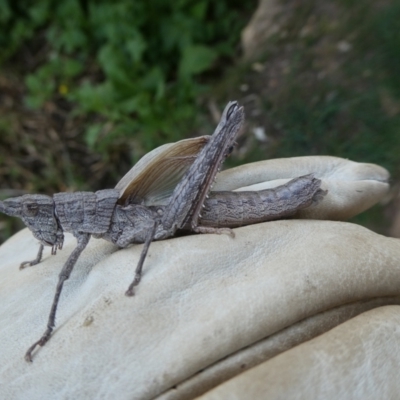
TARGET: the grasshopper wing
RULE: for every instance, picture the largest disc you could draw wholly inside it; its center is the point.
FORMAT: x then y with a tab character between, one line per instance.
153	179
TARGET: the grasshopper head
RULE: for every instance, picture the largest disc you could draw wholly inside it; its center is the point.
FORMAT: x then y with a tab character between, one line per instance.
37	213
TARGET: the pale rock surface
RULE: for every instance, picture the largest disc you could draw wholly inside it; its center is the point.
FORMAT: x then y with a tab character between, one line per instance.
356	360
206	303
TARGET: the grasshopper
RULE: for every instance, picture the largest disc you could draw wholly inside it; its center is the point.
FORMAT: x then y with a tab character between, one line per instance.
168	190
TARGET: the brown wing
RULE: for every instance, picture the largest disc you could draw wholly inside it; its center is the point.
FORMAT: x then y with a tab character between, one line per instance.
152	180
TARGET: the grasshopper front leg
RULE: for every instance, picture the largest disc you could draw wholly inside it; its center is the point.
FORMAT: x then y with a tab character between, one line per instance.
35	261
139	267
65	273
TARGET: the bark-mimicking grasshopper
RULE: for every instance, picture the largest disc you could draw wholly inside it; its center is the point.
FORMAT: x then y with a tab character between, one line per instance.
166	191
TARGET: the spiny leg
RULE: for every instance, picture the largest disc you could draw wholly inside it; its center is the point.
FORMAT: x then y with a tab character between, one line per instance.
65	273
189	195
35	261
138	271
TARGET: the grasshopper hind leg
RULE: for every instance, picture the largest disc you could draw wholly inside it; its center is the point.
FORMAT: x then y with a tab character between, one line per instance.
35	261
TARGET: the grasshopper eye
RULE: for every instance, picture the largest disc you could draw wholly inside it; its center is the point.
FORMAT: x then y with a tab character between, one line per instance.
30	210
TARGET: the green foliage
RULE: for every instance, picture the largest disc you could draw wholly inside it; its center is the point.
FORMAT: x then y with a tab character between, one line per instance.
341	103
137	64
344	103
328	84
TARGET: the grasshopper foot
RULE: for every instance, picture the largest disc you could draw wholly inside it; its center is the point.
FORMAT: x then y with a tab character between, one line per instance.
35	261
130	292
41	342
28	354
26	264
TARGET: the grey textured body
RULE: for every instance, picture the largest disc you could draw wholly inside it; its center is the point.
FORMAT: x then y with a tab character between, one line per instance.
129	224
86	212
183	176
234	209
225	209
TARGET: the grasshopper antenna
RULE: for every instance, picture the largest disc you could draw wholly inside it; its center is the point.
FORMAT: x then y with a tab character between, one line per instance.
138	271
65	273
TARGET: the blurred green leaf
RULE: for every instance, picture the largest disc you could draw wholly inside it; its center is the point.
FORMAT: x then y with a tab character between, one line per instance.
92	134
71	68
196	59
40	87
5	11
94	98
39	12
136	47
